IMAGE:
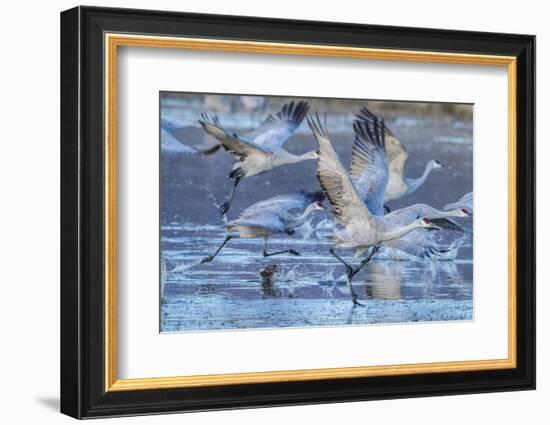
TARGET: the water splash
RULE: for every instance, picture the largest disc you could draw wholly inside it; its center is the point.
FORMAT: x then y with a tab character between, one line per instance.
181	268
289	274
307	230
326	224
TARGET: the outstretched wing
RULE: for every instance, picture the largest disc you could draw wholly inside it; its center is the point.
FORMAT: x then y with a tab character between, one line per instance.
170	144
397	154
285	203
369	163
347	206
171	124
231	142
447	223
261	221
466	202
277	128
407	215
394	147
417	243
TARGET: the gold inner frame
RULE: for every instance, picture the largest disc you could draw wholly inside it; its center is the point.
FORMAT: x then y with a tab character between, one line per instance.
113	41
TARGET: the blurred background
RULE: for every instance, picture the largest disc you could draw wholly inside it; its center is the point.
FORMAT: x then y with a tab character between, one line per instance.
441	131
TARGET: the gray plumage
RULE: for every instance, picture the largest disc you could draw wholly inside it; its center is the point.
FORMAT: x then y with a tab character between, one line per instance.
419	243
172	144
466	202
277	128
441	217
284	204
261	150
278	215
398	184
369	165
369	171
169	142
360	229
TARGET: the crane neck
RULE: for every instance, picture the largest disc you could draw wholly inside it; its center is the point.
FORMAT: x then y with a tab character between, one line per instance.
293	159
434	213
401	231
416	183
298	221
431	212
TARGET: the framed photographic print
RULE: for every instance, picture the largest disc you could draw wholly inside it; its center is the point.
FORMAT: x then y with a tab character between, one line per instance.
261	212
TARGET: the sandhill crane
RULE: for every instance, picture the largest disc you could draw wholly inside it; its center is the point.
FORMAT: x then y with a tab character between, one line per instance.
466	202
261	150
370	175
170	143
442	218
360	228
278	215
398	184
417	242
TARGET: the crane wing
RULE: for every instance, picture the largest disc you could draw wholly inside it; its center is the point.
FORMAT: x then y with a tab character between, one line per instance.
231	142
264	220
284	203
397	154
417	243
171	124
169	143
406	215
447	223
369	164
347	206
277	128
465	202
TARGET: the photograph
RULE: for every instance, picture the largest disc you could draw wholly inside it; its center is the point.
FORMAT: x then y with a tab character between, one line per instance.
281	212
287	210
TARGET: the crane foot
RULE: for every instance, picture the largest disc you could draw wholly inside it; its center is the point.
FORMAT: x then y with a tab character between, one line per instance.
206	259
355	302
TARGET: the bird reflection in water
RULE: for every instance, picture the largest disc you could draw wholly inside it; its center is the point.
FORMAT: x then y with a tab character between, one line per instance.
397	280
383	281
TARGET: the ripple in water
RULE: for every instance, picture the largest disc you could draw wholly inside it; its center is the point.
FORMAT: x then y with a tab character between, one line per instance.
241	289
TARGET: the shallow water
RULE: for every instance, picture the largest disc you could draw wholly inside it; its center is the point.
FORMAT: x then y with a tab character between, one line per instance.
309	290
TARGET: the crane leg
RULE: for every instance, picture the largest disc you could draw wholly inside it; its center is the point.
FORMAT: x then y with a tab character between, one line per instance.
350	272
209	258
364	262
286	251
227	204
348	267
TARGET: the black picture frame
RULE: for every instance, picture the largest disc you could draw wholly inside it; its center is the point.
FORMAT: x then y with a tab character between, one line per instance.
83	392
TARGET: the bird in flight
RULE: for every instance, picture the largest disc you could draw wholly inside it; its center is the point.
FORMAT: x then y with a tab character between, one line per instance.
281	214
398	185
260	150
359	228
